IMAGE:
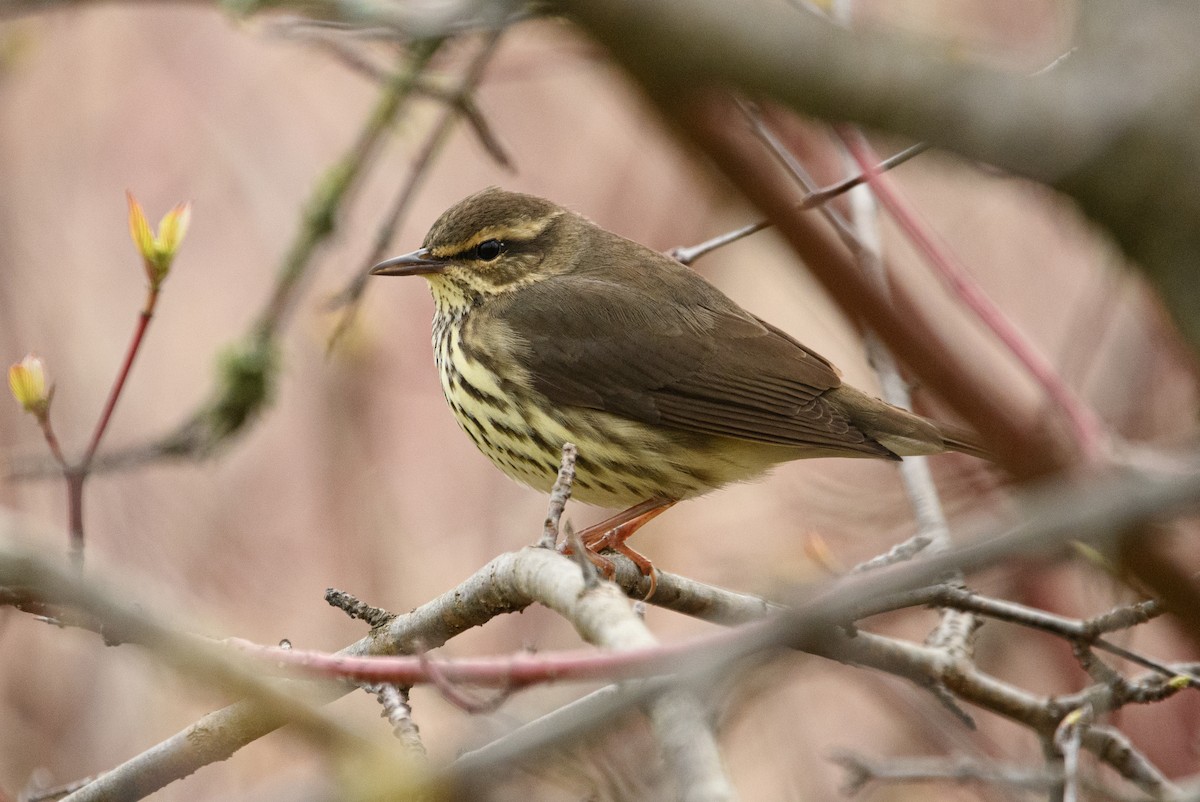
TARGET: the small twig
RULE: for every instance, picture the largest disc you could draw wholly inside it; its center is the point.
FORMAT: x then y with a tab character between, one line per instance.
54	792
688	255
1099	671
1168	671
57	615
353	607
1117	751
946	699
350	296
114	394
52	440
1087	427
232	405
1009	611
398	711
1075	630
76	474
75	479
455	695
1152	687
1055	63
337	44
578	552
1021	439
1126	616
560	494
899	553
861	771
1068	737
820	197
811	200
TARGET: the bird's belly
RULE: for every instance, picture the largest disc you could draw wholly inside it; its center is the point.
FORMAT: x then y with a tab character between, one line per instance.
621	462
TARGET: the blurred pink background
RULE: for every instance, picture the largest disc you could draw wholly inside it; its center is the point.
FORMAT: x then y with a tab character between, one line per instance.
358	478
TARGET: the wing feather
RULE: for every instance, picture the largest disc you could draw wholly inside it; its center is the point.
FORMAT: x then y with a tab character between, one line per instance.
700	364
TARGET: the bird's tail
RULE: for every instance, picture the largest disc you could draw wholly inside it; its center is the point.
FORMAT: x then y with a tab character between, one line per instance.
963	440
902	432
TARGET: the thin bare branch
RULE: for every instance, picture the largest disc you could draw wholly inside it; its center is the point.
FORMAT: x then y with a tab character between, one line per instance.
350	296
398	711
560	493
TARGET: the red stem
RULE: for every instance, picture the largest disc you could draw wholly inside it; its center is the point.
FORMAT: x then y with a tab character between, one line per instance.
75	477
1084	422
1013	427
509	671
52	440
134	345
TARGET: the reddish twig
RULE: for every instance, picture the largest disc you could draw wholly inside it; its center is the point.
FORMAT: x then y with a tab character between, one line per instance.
814	198
509	672
76	474
52	440
1087	428
512	672
114	394
456	695
1017	433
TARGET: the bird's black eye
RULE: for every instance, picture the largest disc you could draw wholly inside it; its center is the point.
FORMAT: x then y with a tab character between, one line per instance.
489	249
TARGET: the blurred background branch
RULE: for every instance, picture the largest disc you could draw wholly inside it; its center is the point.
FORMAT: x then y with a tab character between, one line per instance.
358	479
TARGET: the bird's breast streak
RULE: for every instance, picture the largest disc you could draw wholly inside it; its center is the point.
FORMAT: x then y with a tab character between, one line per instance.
492	415
621	462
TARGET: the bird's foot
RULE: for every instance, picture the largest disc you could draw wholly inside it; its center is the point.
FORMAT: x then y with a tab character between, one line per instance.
612	534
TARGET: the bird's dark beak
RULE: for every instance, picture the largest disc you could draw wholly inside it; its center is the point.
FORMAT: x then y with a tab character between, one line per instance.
417	263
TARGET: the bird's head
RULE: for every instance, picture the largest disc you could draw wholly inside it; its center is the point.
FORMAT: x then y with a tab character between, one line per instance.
488	244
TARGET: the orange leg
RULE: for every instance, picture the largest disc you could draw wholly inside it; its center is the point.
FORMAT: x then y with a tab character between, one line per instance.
613	532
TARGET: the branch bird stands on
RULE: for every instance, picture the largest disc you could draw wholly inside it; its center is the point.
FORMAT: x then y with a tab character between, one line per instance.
549	329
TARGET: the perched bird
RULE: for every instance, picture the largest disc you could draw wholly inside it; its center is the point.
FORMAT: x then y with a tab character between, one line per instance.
550	329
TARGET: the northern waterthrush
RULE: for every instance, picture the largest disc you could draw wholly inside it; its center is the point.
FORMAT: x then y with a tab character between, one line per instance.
551	329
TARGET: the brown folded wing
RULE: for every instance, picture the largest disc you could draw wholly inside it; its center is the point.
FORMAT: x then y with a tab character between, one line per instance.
700	363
